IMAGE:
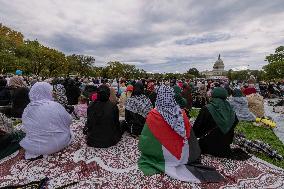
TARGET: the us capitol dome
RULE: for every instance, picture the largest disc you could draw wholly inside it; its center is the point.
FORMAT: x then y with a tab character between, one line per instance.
218	69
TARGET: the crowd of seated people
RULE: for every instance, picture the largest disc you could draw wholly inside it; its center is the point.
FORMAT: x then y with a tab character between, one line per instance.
155	112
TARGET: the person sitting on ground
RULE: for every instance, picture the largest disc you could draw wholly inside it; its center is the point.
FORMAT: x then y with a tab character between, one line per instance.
136	109
45	122
72	92
102	126
19	95
59	93
9	139
150	93
168	143
80	110
256	104
215	123
239	104
5	96
123	98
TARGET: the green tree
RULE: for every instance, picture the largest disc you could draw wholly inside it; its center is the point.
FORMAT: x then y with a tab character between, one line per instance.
275	67
79	64
194	72
34	52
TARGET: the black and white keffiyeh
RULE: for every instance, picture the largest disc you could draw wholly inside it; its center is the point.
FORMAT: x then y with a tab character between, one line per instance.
6	124
170	110
139	104
60	94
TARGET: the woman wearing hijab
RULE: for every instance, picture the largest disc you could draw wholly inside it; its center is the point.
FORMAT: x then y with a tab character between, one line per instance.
178	97
136	109
103	127
150	93
214	126
20	96
45	122
72	92
239	104
168	143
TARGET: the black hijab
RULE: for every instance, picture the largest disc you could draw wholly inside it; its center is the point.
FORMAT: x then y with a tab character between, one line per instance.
103	93
138	89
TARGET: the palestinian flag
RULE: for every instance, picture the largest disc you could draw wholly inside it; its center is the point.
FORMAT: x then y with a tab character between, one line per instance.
163	150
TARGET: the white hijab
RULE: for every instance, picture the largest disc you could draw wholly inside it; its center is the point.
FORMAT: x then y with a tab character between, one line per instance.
41	91
45	122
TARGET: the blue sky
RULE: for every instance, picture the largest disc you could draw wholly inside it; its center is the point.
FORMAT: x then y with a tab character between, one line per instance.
156	35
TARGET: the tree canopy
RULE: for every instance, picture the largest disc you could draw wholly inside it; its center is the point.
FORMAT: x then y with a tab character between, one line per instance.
33	58
275	67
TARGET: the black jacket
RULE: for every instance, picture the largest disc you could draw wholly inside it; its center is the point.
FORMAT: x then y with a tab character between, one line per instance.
212	140
72	93
103	126
20	100
134	122
5	96
152	96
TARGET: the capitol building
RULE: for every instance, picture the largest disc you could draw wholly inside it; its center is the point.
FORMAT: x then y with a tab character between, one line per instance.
218	70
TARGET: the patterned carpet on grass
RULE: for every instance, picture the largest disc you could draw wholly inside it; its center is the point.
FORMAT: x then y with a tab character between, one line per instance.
80	166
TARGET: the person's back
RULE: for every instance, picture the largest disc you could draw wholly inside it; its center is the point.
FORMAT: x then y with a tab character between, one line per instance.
239	104
72	93
136	110
215	125
45	122
45	135
103	121
19	96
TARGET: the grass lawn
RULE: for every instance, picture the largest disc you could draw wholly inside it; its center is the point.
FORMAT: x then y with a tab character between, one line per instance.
266	135
258	133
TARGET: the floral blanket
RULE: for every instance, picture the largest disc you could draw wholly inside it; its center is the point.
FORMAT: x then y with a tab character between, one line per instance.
116	167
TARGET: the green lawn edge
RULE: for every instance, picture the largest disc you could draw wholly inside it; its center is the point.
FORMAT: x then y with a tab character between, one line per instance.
253	132
266	135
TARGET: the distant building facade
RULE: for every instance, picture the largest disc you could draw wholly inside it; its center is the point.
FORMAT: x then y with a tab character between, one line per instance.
218	70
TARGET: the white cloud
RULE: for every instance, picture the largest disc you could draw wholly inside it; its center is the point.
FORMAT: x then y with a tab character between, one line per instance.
145	33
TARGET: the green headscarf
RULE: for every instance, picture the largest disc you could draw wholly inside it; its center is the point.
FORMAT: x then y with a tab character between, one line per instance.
179	99
221	110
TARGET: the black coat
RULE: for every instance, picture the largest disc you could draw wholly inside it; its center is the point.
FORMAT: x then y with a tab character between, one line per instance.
212	140
20	100
103	126
152	96
134	122
72	93
5	96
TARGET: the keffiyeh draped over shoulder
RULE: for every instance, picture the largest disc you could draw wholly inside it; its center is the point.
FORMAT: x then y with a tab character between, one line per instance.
170	110
60	94
139	104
